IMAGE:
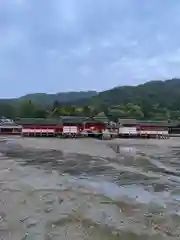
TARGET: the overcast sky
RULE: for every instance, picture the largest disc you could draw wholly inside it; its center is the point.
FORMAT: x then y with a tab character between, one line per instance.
61	45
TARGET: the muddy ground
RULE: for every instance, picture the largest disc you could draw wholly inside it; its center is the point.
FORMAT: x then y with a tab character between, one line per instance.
89	189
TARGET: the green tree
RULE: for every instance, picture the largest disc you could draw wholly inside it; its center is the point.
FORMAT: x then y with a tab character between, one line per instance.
27	109
7	110
175	115
133	110
87	111
40	113
56	104
116	112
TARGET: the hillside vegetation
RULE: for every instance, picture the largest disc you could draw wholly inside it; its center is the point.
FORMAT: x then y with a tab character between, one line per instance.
153	100
44	98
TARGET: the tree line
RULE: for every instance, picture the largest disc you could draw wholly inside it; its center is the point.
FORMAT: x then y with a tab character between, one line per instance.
30	109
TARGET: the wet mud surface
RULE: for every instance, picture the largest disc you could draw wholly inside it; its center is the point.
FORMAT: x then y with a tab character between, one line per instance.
54	194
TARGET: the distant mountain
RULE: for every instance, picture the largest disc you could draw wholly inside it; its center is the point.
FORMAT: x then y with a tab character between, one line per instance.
151	100
62	97
163	93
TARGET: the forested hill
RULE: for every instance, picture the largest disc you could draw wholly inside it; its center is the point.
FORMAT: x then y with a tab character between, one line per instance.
160	99
163	93
44	98
152	100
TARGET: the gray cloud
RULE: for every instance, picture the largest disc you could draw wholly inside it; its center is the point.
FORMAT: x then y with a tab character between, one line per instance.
59	45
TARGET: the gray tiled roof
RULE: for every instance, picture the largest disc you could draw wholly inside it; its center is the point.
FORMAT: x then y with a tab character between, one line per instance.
8	123
103	119
82	119
72	119
144	122
174	123
152	123
41	121
60	120
126	121
10	126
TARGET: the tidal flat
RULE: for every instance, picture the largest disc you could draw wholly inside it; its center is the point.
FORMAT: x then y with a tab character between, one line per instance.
89	189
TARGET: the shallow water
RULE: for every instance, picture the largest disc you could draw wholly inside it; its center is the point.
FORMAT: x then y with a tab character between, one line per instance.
55	195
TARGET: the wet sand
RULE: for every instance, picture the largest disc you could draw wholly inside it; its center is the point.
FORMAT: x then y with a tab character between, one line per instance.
89	189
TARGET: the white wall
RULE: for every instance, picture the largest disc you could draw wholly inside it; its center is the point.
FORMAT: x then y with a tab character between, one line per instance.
128	130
